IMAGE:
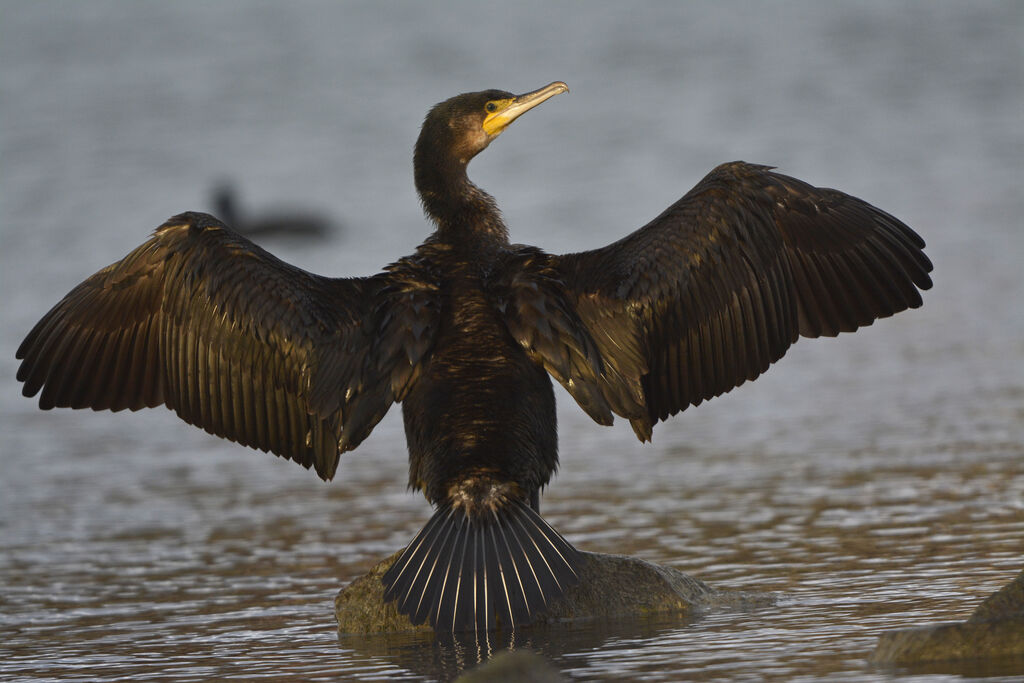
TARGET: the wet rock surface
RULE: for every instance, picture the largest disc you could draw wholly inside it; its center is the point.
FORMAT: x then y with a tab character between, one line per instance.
611	586
1005	603
995	630
513	667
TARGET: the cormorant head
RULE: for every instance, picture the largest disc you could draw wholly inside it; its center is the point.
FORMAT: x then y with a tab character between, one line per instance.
458	129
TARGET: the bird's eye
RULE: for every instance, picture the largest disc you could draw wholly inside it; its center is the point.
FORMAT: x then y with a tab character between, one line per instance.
491	107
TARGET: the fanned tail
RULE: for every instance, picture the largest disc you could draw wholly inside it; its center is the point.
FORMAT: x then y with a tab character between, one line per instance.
478	571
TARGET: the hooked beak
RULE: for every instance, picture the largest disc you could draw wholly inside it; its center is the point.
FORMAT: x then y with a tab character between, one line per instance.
516	106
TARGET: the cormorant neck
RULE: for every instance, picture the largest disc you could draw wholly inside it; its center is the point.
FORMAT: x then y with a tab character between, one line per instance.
464	214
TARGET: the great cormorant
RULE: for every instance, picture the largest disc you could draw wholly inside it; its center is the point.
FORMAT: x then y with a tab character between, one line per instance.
294	224
464	333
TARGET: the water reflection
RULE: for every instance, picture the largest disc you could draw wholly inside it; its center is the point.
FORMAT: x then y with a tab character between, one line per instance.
445	656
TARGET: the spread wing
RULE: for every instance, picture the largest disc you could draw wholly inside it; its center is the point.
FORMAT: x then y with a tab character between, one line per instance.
716	288
234	341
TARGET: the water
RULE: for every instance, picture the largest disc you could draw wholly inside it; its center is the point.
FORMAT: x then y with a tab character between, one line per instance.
871	482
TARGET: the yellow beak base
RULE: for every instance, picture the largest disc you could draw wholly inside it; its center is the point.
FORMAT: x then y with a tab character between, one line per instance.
515	107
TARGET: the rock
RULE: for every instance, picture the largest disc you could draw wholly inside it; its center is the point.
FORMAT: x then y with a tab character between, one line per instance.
513	666
611	586
962	640
1005	603
996	629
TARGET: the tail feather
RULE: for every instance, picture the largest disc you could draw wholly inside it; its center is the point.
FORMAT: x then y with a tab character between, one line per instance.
508	584
422	561
441	548
465	572
530	568
415	555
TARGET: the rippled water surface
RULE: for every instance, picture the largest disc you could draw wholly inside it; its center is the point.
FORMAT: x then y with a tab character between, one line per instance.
871	482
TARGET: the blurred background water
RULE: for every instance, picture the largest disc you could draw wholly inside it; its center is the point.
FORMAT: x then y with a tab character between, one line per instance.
874	481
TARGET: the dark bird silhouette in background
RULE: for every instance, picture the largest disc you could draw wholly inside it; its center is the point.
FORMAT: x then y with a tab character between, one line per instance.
465	333
280	223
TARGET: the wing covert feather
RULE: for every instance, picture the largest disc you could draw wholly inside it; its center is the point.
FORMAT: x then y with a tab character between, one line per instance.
530	296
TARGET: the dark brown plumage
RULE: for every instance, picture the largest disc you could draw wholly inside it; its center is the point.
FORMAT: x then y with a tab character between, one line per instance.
464	333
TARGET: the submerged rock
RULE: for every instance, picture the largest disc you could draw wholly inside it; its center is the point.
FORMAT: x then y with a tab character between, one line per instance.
996	629
513	666
611	586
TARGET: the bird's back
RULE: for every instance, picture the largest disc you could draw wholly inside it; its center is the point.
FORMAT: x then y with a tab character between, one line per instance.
481	407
